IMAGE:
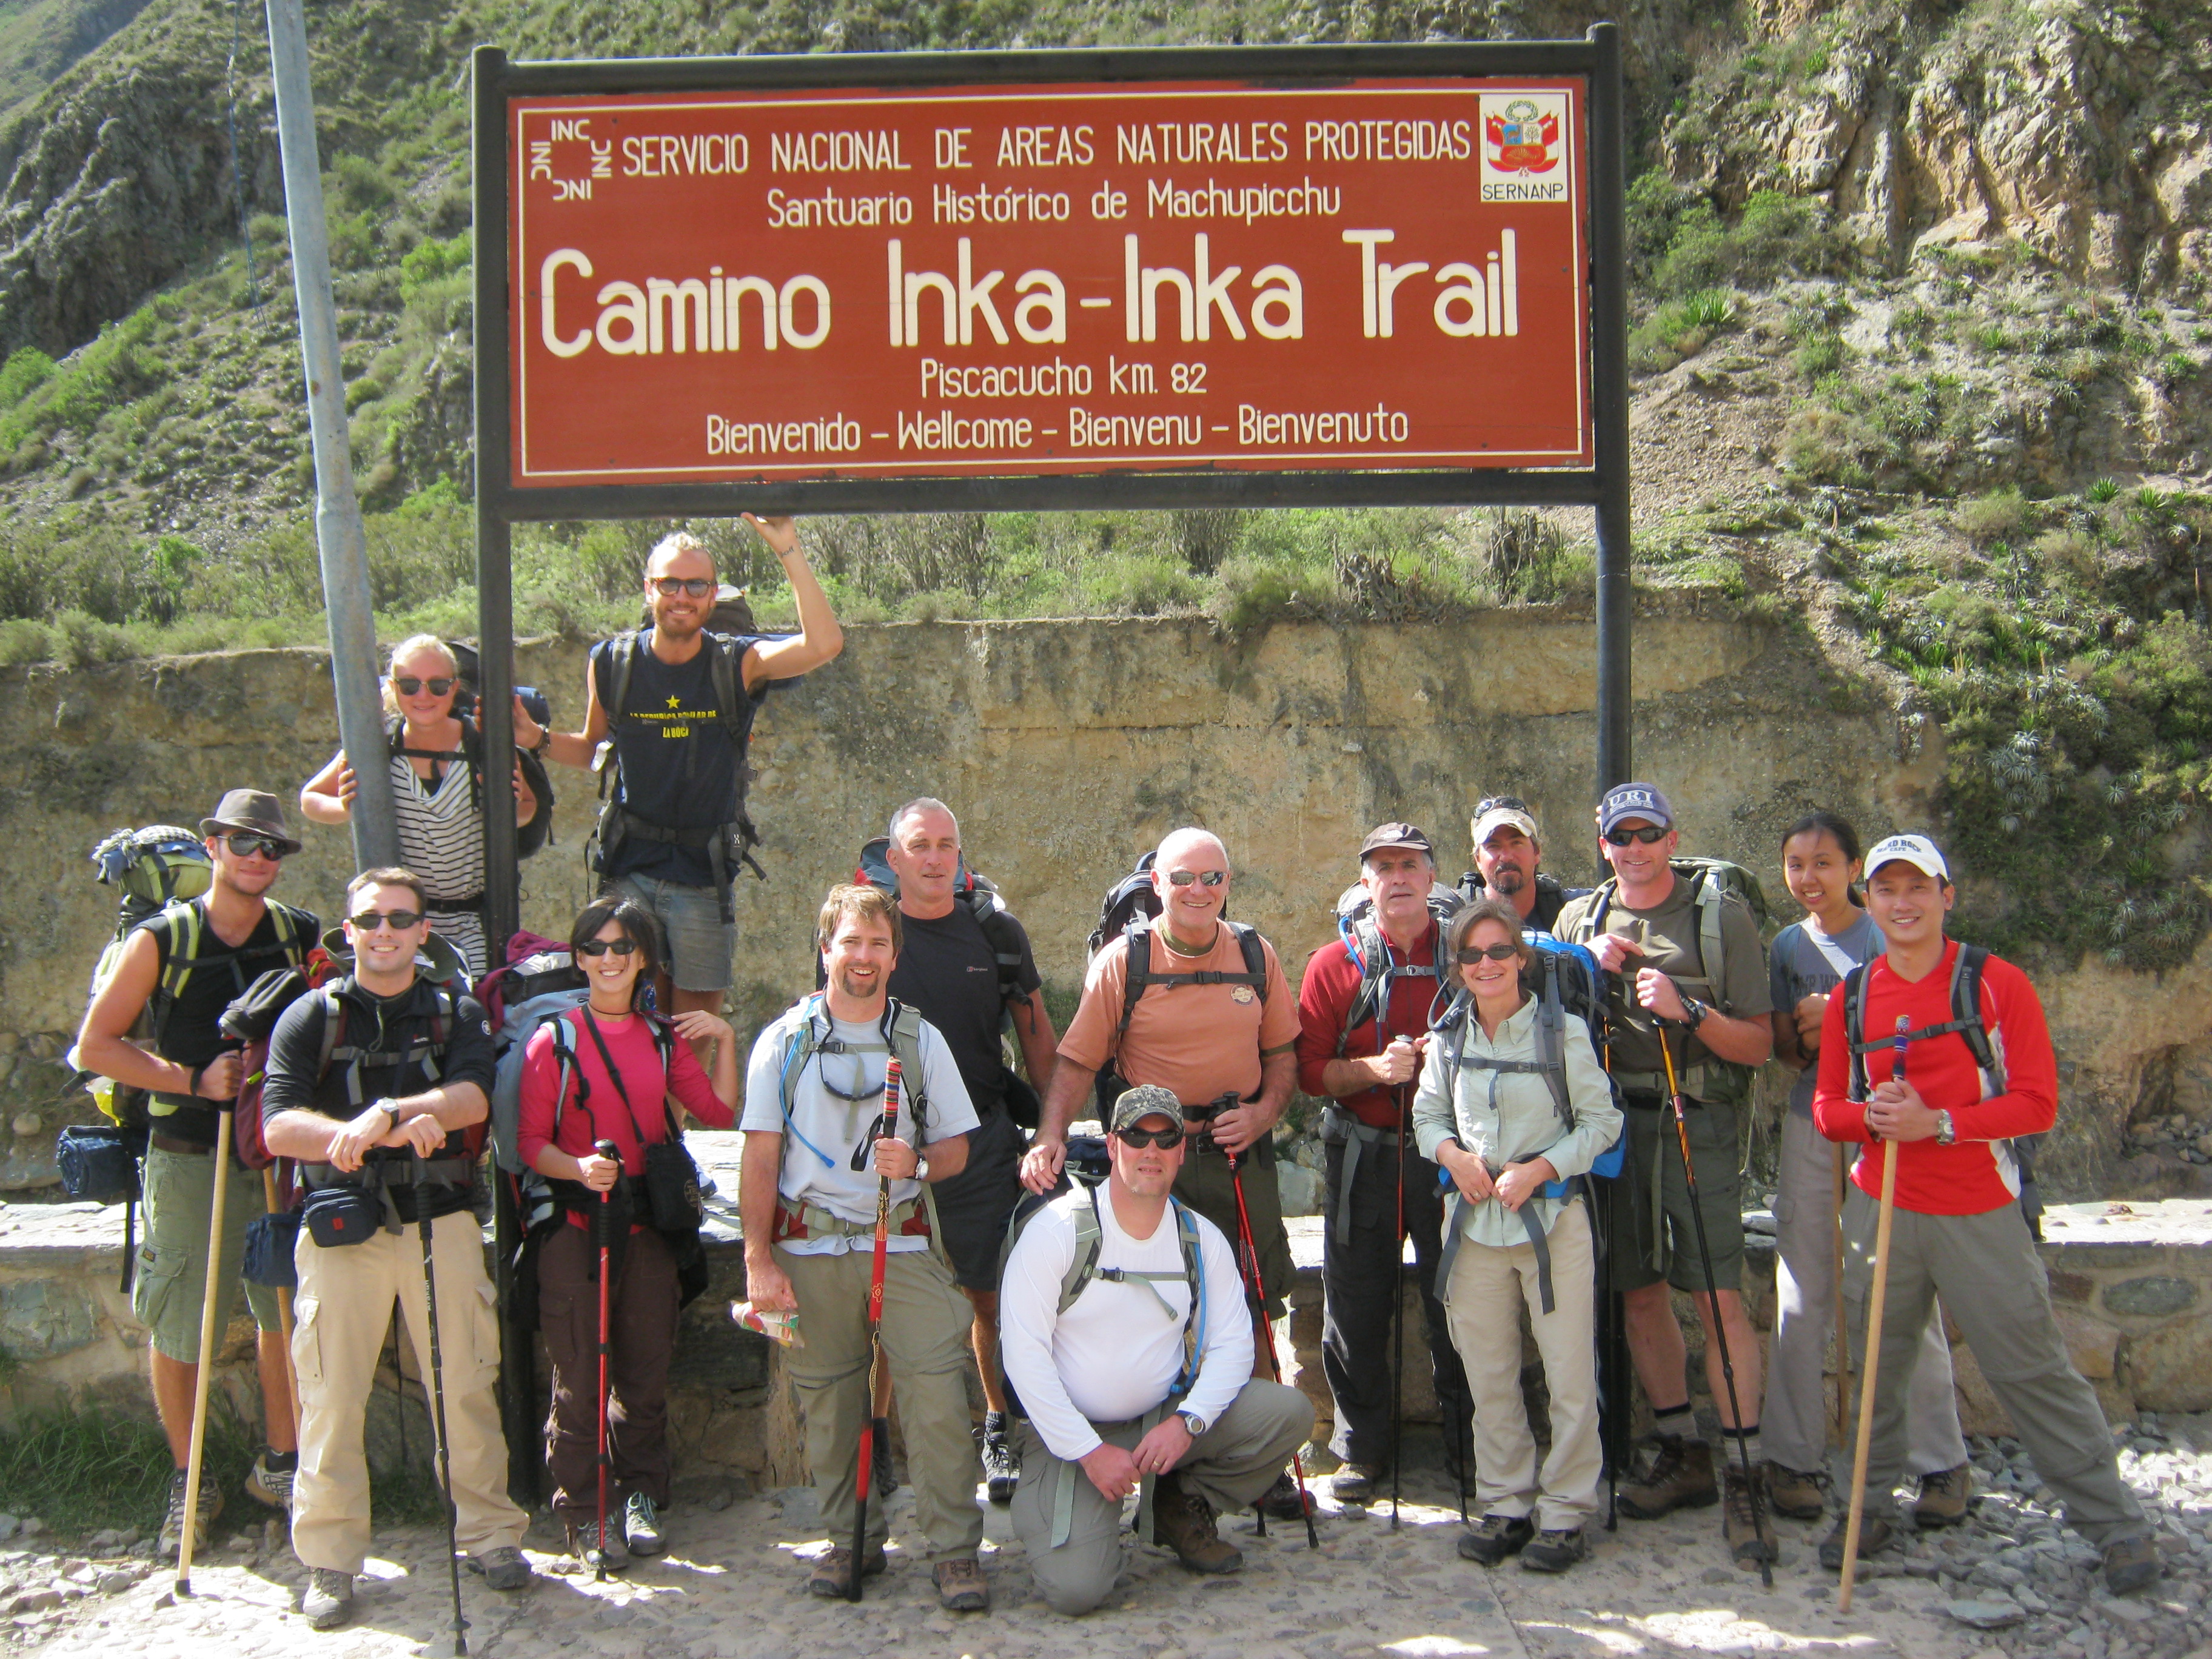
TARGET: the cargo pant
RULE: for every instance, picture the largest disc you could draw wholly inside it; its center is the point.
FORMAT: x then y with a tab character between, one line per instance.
643	1302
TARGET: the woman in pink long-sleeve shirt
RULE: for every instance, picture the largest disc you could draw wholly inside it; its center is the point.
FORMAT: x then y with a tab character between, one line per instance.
627	1064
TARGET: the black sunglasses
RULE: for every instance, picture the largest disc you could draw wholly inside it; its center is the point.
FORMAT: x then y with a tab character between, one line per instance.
248	847
668	588
1649	834
408	686
1469	955
1166	1139
401	920
1203	877
600	947
1500	803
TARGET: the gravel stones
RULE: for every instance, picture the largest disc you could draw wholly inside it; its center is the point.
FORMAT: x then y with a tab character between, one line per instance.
1993	1614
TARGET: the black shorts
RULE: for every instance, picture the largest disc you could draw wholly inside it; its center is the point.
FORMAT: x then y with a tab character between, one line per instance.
974	1206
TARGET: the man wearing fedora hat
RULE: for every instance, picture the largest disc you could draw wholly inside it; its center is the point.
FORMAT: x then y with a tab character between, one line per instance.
154	1028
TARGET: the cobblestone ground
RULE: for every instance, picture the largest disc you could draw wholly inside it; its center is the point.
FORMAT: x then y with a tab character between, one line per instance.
731	1588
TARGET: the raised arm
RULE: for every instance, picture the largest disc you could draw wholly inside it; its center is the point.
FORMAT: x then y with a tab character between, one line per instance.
327	797
819	639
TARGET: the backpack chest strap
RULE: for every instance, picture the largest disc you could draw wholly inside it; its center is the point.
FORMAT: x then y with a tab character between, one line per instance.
1889	1044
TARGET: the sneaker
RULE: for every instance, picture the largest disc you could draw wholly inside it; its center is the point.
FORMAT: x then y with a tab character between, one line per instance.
502	1569
1749	1522
1679	1474
642	1526
2132	1564
584	1540
272	1487
1002	1464
1795	1494
1284	1501
879	1464
1494	1537
329	1601
832	1577
1554	1551
1186	1523
960	1586
172	1523
1355	1483
1943	1497
1875	1535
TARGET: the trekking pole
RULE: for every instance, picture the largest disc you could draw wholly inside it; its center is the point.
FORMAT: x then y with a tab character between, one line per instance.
1274	1365
211	1320
1397	1315
1843	1317
1463	1427
603	1232
1872	1362
283	1310
438	1409
864	1465
1713	1299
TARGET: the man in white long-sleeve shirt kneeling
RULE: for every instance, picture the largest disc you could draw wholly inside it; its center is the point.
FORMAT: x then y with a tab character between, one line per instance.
1127	1339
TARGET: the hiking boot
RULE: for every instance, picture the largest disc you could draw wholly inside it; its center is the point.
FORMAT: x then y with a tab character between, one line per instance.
1184	1521
1555	1550
960	1586
1283	1501
1795	1494
832	1576
1002	1464
584	1540
1749	1522
642	1526
1679	1476
329	1601
172	1523
881	1477
1943	1497
1355	1483
1494	1537
271	1486
502	1569
1875	1535
2132	1564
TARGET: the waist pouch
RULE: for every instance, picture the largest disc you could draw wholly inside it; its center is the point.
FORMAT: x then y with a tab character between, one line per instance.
99	1162
672	1189
343	1215
270	1240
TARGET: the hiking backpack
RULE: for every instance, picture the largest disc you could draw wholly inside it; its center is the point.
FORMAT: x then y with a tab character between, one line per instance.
248	1021
537	1201
982	896
518	998
1378	968
899	1029
1137	974
1986	1045
528	837
727	846
1551	893
468	666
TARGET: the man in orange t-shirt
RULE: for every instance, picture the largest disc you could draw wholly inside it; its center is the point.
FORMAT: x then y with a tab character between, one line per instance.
1213	1025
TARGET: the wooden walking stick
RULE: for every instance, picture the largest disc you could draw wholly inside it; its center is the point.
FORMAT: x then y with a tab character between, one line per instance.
1842	1316
864	1468
1871	1364
284	1309
212	1316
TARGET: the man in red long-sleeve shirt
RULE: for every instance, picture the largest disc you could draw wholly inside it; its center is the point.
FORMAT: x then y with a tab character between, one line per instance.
1958	1230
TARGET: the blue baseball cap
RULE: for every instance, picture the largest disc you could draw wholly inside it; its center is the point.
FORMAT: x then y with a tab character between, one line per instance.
1634	800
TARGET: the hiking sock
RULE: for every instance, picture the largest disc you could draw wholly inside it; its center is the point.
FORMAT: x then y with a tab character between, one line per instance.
278	1462
1748	1438
1674	1422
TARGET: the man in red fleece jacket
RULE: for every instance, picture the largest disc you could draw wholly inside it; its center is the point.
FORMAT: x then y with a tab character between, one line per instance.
1958	1230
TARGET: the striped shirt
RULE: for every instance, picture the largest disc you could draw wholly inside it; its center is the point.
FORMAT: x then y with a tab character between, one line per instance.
441	840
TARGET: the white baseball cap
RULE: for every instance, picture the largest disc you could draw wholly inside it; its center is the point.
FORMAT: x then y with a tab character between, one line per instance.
1917	851
1497	818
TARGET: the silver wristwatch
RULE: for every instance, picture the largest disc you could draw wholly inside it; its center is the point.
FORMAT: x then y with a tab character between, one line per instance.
1947	1132
390	1108
1194	1422
921	1169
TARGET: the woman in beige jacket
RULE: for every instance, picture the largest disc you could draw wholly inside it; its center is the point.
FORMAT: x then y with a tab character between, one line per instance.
1487	1110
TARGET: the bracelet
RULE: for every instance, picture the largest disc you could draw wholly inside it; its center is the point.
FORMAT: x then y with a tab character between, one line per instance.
192	1085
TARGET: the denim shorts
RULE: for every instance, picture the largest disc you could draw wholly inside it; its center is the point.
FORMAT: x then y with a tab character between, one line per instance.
701	945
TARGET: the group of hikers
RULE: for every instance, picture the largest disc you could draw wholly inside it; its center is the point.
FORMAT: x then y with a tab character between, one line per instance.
1541	1088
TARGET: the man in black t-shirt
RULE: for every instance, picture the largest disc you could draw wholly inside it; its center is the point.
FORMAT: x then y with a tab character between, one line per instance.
682	755
949	968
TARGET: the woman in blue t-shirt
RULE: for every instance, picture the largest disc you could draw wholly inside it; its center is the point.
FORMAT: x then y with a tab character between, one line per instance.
1820	863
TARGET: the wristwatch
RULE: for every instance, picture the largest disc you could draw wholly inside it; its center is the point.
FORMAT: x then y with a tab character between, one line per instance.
1194	1422
544	741
390	1108
1694	1012
921	1169
1947	1132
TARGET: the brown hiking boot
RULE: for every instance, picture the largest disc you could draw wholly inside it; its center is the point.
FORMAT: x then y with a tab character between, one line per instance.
1875	1535
960	1586
1184	1521
1795	1494
1749	1524
1943	1497
833	1569
1680	1476
2132	1564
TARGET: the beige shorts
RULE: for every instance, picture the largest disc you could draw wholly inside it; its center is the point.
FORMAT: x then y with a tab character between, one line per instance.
169	1279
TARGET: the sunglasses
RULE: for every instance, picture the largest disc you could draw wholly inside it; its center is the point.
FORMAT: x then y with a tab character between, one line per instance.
668	588
1649	834
368	921
1166	1139
1203	877
1469	955
598	947
250	847
1500	803
408	686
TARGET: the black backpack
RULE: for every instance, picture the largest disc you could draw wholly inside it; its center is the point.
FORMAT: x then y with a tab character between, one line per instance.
528	837
1370	953
981	895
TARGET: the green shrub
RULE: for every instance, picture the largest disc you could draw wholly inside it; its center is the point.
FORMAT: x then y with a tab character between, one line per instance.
432	261
1821	355
2001	516
27	369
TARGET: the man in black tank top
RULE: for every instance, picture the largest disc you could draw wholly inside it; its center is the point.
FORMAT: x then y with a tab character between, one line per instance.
683	755
183	1064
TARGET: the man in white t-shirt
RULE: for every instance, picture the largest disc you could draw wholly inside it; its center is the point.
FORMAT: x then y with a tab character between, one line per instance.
1122	1383
815	1155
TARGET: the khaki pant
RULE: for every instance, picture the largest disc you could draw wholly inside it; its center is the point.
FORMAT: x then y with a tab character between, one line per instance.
1992	1283
1207	1185
1483	1298
1229	1465
925	1336
343	1311
1796	1428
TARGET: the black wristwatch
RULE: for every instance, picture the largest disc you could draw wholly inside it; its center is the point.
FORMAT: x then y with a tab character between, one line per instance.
1693	1013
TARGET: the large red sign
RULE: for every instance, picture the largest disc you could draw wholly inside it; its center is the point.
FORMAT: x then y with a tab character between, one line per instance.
1372	276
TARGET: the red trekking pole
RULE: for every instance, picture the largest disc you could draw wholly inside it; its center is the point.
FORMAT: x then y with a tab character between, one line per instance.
1274	1365
602	1224
867	1458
